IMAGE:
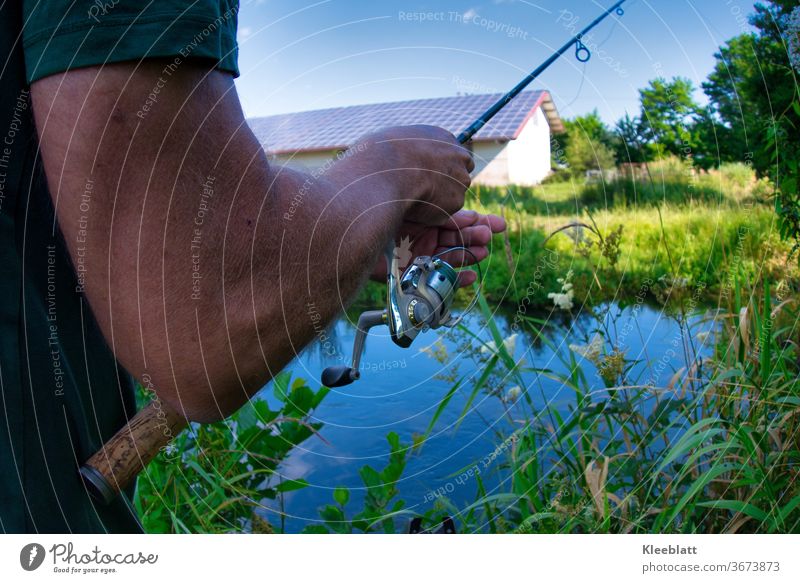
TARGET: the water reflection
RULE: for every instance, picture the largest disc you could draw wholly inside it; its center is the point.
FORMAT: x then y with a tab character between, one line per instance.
400	390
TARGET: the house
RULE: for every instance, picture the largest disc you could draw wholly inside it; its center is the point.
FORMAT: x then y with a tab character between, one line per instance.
513	148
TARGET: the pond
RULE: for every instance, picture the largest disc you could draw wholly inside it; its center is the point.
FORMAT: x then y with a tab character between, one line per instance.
401	389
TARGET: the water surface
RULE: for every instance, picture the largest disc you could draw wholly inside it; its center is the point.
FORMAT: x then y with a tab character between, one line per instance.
400	390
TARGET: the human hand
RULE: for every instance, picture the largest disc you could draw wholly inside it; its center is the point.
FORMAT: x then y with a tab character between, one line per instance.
465	228
428	166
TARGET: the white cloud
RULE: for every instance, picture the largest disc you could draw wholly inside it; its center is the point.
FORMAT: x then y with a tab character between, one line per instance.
469	15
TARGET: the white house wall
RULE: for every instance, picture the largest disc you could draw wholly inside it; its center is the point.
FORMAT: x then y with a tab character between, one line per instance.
491	163
529	155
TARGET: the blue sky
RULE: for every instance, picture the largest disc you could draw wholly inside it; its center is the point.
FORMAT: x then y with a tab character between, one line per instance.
298	55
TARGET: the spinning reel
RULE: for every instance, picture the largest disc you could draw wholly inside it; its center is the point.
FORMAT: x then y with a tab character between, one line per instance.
416	301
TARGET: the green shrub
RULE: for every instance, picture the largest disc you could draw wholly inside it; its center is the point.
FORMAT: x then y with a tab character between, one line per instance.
221	472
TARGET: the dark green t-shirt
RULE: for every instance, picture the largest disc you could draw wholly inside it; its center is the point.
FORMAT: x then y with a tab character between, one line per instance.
62	394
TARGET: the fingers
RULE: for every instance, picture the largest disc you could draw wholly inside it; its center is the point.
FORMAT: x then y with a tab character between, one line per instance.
467	278
461	258
470	163
462	219
476	235
469	228
467	218
496	224
469	160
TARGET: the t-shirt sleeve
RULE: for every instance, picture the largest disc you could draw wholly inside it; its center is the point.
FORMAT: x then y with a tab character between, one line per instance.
59	35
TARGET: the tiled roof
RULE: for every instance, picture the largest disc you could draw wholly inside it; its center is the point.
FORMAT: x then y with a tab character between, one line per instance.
337	128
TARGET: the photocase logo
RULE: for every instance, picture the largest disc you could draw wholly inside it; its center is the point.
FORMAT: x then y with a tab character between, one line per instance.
31	556
403	252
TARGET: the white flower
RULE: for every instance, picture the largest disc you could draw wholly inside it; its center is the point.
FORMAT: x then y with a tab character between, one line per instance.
589	351
513	393
562	301
510	344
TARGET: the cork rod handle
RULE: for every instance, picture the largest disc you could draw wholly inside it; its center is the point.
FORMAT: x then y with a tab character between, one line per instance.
120	460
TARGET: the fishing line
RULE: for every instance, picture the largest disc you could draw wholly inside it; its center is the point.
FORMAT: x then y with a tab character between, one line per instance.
618	12
474	301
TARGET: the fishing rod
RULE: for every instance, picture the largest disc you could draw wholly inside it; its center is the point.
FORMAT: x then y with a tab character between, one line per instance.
416	301
582	53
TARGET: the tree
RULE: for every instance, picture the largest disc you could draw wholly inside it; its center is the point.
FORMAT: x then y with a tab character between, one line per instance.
733	97
629	144
712	145
669	116
587	144
753	91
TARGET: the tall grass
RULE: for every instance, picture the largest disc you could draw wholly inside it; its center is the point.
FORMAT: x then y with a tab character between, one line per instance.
717	449
714	449
711	220
669	181
706	242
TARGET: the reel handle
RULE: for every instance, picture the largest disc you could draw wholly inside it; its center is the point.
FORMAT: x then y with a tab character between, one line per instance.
340	375
115	466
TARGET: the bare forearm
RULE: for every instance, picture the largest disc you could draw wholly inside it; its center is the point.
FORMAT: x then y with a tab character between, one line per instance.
193	270
313	243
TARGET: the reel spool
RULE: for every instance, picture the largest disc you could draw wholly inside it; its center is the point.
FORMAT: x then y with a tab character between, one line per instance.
417	301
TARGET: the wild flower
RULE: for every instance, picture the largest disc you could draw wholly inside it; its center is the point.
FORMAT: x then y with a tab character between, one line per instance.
513	394
563	299
510	344
609	245
612	366
591	351
437	351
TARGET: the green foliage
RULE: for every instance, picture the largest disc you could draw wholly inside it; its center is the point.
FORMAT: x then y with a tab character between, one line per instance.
674	181
715	450
629	146
752	117
586	144
668	116
713	220
584	154
754	95
221	472
381	511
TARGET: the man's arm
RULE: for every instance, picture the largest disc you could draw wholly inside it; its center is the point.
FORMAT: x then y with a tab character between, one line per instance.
207	268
